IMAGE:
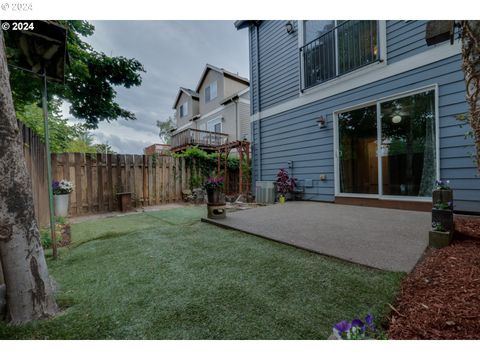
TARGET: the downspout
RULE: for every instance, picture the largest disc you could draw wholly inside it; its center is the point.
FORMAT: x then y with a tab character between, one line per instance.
236	119
259	148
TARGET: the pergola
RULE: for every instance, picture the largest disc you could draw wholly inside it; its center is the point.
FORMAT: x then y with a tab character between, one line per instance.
243	148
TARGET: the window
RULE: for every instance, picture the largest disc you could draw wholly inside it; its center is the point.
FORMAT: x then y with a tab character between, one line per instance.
184	109
211	92
333	48
215	125
404	163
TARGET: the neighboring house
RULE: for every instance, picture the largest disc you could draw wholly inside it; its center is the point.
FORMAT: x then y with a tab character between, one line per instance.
361	112
160	149
217	112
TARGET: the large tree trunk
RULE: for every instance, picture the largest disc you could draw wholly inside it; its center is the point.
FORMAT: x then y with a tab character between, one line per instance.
29	289
471	68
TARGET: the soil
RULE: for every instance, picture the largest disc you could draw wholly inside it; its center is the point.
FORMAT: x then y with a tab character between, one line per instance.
440	299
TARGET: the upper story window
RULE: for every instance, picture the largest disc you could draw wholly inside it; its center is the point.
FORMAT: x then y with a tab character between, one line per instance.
335	47
184	109
211	92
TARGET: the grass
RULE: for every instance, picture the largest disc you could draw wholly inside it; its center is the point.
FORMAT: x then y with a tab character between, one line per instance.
166	275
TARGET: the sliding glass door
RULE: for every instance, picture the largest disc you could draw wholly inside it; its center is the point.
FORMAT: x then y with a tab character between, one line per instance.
389	148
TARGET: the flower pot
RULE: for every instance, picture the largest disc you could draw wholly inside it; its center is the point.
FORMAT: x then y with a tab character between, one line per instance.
215	197
442	196
61	204
439	239
444	217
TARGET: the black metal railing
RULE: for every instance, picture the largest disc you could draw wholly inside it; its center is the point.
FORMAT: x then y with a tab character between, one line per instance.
348	46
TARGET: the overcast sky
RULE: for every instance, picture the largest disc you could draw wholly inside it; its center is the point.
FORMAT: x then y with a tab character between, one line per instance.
174	54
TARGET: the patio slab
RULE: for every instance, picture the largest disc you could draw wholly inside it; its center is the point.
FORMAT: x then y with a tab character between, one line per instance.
386	239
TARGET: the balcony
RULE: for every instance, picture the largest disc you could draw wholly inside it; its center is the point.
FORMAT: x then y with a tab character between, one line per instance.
347	47
206	140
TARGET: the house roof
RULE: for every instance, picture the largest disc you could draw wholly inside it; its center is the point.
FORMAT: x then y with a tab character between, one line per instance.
234	96
189	92
225	73
241	24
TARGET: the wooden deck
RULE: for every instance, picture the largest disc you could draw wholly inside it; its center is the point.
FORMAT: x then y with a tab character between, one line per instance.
206	140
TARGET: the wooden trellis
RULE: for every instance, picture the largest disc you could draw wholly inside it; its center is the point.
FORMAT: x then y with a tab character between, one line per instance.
243	148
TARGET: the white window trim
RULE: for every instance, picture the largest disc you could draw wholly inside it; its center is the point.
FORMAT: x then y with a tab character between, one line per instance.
185	103
215	121
382	47
205	91
377	103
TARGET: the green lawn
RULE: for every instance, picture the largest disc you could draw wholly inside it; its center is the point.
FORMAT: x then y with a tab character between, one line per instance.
166	275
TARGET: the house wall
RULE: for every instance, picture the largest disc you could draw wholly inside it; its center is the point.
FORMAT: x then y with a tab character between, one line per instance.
214	103
279	64
192	106
405	39
294	135
232	87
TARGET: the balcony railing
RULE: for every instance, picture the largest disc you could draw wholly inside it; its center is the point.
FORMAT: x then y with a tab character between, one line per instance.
348	46
202	138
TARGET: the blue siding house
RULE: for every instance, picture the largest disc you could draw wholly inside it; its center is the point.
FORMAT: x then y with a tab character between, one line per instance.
361	112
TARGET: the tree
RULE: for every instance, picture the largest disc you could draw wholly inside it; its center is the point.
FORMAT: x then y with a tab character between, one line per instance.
61	133
471	69
89	80
29	289
165	129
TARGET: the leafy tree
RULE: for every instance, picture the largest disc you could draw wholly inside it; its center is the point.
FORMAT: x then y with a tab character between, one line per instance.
471	69
89	80
61	133
104	149
165	128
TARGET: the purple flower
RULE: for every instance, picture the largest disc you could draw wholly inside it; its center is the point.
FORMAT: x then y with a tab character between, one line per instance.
358	323
343	326
369	321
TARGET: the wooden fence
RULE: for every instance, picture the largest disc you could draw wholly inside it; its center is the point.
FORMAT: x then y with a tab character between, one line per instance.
152	180
97	178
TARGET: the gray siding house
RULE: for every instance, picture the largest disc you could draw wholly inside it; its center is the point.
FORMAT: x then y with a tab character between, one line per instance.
215	113
360	112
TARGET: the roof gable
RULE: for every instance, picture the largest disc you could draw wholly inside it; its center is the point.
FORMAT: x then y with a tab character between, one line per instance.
188	92
222	71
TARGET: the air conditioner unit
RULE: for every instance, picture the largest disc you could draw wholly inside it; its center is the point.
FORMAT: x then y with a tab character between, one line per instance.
265	192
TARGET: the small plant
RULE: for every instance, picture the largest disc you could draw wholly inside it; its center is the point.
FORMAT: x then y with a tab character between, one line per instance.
438	227
45	238
357	329
443	205
442	185
285	183
214	183
61	187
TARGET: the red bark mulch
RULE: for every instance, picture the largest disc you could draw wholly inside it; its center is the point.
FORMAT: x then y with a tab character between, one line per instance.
440	299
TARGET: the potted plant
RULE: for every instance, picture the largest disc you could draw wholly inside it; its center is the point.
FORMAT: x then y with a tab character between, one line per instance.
61	191
442	214
214	188
442	193
285	185
439	237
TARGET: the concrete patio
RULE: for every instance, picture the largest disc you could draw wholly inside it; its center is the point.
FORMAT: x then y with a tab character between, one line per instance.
386	239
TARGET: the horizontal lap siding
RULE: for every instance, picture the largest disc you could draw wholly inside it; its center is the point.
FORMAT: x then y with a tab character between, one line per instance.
294	135
405	39
279	64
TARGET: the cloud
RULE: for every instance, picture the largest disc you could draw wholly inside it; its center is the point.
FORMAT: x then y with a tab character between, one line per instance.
174	54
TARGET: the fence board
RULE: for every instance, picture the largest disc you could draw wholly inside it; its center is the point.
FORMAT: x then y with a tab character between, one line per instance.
97	178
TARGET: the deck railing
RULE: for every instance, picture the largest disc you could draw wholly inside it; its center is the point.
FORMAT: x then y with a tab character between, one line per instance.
201	138
348	46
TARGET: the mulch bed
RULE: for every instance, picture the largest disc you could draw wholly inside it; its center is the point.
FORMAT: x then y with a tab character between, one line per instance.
440	299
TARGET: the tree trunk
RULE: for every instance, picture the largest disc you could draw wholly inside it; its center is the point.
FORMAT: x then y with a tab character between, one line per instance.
29	288
471	69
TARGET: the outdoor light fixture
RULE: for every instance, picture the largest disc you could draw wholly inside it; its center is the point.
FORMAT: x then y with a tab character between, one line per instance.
321	122
289	27
396	119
